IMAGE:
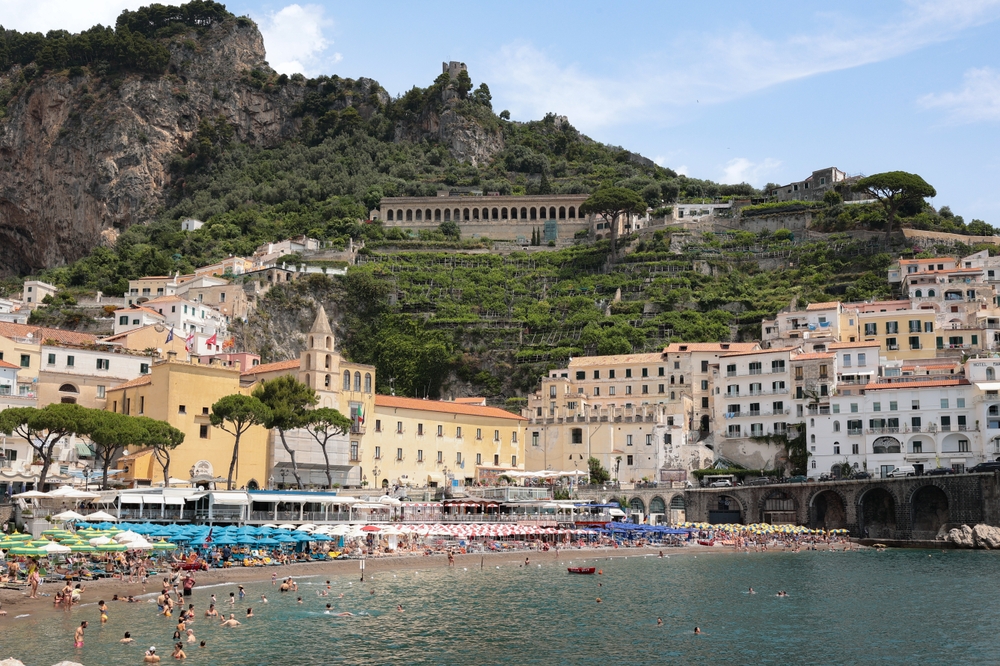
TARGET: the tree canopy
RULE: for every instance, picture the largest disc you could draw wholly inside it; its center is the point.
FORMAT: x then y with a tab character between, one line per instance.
325	424
44	428
287	401
610	203
236	414
895	189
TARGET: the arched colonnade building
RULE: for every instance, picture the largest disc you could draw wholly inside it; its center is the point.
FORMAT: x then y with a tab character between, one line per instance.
497	217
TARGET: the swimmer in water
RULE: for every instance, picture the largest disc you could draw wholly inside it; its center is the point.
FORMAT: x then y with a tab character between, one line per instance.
751	591
128	638
231	622
399	607
78	634
249	612
151	656
659	621
697	630
190	636
299	600
344	614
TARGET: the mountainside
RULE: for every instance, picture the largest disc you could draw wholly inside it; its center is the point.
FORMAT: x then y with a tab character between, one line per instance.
86	152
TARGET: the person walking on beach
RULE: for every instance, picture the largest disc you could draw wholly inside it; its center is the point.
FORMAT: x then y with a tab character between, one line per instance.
451	559
78	634
33	580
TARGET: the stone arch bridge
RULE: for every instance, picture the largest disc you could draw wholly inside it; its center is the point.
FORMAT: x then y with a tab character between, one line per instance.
915	507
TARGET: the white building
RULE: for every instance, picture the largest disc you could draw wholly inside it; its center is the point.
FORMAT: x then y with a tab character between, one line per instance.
135	316
187	316
35	292
191	224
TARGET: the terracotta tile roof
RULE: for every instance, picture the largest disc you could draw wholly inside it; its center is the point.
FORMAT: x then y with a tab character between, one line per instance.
828	305
445	407
292	364
935	383
752	352
852	345
132	383
5	364
904	262
615	359
42	334
813	356
122	336
471	401
677	347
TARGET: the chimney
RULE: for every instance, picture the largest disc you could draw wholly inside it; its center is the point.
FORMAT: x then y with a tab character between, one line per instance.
171	356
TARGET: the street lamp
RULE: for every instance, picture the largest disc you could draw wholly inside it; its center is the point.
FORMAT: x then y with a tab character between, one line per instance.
284	473
86	478
375	472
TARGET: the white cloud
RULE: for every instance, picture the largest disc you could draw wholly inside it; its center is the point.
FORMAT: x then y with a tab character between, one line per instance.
742	170
294	39
718	66
682	169
978	99
71	15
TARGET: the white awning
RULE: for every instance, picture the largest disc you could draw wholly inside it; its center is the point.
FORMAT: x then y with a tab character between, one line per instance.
173	500
152	499
988	386
131	499
302	498
616	512
237	498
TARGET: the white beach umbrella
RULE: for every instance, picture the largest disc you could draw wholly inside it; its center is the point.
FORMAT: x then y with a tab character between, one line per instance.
69	492
66	516
286	526
139	544
53	548
101	516
32	494
126	536
100	541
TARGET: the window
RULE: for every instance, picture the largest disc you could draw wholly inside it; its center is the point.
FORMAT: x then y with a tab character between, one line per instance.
928	327
513	437
368	382
628	440
755	368
101	392
891	344
534	439
891	327
552	391
629	460
962	423
399	454
576	435
354	451
854	449
399	426
479	458
854	408
440	457
862	360
182	409
756	429
823	372
628	373
611	374
918	446
914	325
960	403
677	365
378	425
458	432
142	404
704	366
835	408
704	402
611	390
847	360
798	373
144	368
704	385
836	426
25	361
777	407
777	366
731	370
378	453
645	389
945	423
649	440
915	423
914	342
778	387
458	458
871	328
597	391
914	404
420	429
944	403
103	364
203	431
597	374
479	433
645	372
52	359
963	446
660	371
733	431
513	461
496	435
440	431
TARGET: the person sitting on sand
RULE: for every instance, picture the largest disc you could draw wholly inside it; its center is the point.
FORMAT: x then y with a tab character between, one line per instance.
128	638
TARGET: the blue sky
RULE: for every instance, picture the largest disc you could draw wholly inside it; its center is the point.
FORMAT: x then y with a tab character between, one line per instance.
730	91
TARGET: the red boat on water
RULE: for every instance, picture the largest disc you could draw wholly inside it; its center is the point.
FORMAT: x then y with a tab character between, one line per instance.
582	570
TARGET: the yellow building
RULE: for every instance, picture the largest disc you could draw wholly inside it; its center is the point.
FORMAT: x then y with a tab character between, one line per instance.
902	333
417	442
182	394
20	344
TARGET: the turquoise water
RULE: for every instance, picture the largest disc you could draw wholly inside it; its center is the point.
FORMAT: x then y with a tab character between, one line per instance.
843	608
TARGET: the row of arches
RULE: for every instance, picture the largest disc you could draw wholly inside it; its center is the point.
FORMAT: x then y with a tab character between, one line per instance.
348	384
468	214
878	512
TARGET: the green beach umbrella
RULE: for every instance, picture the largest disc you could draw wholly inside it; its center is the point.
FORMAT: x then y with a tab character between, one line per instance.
25	550
111	548
164	545
17	536
81	548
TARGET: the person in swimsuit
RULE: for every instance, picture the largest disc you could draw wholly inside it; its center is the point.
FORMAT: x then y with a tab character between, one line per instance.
232	621
179	651
103	607
151	656
78	634
211	612
128	638
190	636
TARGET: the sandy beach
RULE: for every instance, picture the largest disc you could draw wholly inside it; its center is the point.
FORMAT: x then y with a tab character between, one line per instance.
16	602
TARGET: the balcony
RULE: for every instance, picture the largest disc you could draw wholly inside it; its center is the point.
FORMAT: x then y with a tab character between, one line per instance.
357	429
855	431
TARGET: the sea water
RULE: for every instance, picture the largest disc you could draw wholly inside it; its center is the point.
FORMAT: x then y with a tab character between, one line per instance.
863	607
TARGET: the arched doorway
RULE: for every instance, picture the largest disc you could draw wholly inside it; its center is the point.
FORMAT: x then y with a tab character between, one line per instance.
658	510
929	512
877	514
828	511
779	509
704	423
678	512
728	510
252	483
637	506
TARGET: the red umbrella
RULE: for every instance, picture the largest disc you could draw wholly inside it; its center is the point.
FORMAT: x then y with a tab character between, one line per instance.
369	528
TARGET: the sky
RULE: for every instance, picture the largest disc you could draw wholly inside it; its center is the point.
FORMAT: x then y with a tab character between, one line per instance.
729	91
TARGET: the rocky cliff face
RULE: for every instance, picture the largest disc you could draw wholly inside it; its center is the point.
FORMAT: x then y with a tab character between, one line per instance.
83	157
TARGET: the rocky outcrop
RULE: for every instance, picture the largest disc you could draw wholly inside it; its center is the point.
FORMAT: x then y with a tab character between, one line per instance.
985	537
83	157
